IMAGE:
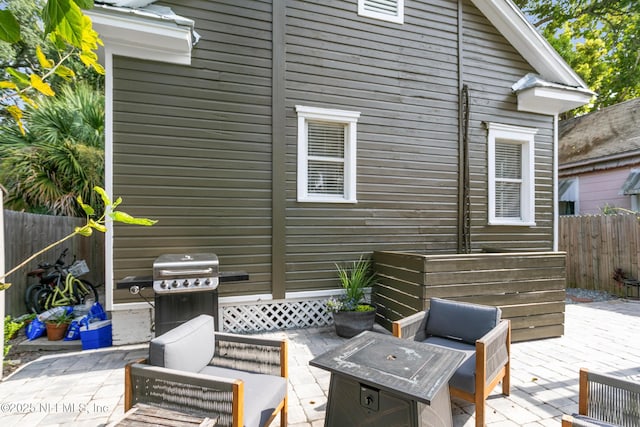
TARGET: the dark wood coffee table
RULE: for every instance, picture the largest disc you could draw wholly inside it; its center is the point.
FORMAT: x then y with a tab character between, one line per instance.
381	380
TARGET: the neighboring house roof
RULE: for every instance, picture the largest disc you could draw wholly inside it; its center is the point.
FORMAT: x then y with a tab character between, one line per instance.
610	137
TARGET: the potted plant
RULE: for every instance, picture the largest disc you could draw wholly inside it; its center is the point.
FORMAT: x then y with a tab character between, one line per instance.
352	314
57	325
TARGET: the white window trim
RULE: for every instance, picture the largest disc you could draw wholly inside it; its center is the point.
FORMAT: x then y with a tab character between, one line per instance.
349	118
525	138
398	19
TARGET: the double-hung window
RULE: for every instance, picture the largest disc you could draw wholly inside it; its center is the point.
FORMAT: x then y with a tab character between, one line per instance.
326	155
511	175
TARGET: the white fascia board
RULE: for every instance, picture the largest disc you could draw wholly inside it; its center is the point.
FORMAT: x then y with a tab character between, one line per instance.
523	36
137	37
551	100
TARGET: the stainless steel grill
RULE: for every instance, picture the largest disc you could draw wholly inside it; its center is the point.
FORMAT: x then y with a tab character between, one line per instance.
178	281
173	273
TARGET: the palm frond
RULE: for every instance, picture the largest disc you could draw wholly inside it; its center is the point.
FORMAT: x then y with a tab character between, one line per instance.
60	157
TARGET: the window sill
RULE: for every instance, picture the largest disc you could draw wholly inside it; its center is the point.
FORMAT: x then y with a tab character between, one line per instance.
325	200
512	223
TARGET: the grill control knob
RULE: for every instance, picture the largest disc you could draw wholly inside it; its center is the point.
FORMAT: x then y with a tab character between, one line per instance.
163	284
207	282
185	283
196	282
174	284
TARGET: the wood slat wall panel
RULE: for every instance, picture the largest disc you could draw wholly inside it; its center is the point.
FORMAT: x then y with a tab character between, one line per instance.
488	276
530	295
492	288
540	320
532	309
541	332
408	288
397	302
498	261
399	274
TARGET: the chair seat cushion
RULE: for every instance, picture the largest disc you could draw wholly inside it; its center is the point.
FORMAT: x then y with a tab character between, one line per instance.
465	376
462	321
262	393
187	347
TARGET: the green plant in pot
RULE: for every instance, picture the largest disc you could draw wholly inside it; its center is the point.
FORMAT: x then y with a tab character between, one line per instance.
57	326
352	314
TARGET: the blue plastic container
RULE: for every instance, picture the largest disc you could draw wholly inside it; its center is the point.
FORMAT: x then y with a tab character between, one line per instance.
96	335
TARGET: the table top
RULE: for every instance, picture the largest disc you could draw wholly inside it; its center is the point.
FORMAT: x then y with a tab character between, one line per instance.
414	369
142	414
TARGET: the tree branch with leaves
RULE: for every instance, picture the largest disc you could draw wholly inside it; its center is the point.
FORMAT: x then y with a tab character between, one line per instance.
600	39
69	31
94	222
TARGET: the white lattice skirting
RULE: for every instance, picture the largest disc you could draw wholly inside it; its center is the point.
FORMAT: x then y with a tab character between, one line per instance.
274	315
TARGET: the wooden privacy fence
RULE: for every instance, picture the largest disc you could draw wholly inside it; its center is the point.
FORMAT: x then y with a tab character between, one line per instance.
598	244
528	287
26	233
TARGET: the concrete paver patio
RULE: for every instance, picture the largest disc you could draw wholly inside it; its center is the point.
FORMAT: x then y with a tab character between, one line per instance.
86	388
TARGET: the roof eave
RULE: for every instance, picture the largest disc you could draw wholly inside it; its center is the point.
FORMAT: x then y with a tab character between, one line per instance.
607	161
142	37
552	100
513	25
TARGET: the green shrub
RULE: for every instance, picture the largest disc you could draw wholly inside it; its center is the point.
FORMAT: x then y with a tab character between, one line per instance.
11	328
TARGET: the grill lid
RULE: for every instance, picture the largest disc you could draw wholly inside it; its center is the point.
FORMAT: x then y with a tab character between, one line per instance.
185	272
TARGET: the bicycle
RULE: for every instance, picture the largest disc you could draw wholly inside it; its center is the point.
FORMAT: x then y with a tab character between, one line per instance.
60	288
43	280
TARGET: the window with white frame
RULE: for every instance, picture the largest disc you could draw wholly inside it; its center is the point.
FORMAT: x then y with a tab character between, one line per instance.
386	10
568	196
511	175
326	155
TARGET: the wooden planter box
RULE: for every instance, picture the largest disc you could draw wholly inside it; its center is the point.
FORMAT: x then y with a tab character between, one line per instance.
529	287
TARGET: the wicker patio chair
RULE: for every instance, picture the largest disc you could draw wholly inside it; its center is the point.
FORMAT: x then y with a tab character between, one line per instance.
235	379
479	332
605	400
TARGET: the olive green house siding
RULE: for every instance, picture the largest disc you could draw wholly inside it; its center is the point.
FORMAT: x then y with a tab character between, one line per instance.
192	148
210	149
490	67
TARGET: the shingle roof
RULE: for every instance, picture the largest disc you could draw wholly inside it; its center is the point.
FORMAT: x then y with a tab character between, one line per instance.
611	131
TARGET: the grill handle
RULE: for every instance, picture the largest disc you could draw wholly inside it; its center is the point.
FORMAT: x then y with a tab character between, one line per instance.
206	271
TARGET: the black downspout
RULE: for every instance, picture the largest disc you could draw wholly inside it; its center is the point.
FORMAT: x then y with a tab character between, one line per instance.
465	197
464	207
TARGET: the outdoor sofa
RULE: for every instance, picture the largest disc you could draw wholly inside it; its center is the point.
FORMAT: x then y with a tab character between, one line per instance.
236	380
605	400
479	332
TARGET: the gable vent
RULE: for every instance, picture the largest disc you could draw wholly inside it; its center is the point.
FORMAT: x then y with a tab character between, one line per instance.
388	10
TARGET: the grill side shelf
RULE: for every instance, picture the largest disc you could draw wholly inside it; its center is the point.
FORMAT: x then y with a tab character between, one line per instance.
147	281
